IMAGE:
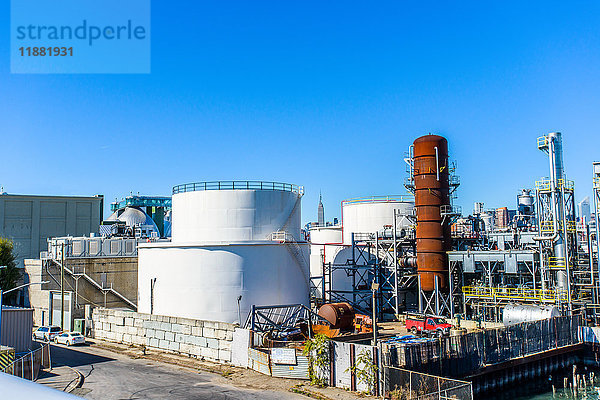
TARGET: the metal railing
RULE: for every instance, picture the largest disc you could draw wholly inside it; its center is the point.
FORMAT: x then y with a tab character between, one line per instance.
238	185
450	210
91	247
545	184
141	201
30	365
514	294
379	199
280	317
282	236
454	180
548	226
557	262
402	384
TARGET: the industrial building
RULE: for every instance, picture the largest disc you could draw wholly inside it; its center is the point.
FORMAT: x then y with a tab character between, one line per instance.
29	221
237	255
96	270
232	239
237	259
80	272
427	256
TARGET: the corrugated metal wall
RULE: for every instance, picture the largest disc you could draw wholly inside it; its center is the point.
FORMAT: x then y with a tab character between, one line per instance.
259	361
358	350
297	371
342	362
17	328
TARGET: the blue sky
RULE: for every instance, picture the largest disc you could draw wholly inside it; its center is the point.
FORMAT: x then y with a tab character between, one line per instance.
328	96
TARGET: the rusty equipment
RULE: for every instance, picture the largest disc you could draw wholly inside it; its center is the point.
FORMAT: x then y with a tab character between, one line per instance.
432	192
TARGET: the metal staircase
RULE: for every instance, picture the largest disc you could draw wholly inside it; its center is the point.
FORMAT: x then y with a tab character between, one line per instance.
95	284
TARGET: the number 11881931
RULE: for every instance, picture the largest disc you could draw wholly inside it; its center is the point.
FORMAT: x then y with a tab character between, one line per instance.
46	51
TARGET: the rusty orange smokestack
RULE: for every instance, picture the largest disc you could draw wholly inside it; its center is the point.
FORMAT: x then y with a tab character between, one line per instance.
432	190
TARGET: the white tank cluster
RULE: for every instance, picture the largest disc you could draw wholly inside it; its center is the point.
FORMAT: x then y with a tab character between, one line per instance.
234	244
362	215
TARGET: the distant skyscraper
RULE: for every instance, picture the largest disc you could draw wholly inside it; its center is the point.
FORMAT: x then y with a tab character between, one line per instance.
502	218
584	210
321	212
478	208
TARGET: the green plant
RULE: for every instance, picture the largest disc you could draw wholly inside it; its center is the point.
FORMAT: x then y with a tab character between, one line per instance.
317	351
10	275
365	369
400	393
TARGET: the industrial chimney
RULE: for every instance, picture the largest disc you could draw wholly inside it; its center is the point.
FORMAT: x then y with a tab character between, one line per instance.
432	193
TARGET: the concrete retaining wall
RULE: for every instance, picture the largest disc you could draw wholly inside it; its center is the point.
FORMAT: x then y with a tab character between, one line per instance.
208	340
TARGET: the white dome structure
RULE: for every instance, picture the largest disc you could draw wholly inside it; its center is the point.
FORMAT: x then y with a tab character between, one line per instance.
132	217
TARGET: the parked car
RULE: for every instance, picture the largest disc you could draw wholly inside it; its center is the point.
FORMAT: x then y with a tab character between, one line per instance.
46	333
70	338
429	325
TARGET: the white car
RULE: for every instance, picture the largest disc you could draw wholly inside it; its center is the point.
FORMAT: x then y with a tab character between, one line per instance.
47	333
70	338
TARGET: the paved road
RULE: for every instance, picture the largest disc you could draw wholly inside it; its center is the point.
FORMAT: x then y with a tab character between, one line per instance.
111	375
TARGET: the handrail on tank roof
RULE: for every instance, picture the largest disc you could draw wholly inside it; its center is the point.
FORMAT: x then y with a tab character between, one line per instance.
237	185
379	199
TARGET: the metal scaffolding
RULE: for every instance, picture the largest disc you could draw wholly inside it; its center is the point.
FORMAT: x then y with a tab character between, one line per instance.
376	257
543	264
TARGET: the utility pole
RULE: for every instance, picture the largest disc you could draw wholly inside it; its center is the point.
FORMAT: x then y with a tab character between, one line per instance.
374	288
1	293
62	287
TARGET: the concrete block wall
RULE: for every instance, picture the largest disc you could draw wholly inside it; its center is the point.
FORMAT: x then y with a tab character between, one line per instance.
207	340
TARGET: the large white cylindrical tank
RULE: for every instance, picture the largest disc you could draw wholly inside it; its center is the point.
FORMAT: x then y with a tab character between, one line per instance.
234	211
368	215
325	242
517	313
341	282
205	281
222	248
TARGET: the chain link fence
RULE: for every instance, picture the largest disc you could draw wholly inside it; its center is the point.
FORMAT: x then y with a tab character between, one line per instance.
402	384
30	365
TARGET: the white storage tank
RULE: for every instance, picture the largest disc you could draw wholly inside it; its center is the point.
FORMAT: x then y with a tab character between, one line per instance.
325	242
223	247
205	281
234	210
517	313
371	214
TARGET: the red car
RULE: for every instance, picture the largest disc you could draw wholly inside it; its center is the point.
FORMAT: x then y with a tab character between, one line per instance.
429	325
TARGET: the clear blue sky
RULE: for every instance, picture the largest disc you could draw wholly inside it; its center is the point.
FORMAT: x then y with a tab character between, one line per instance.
328	96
